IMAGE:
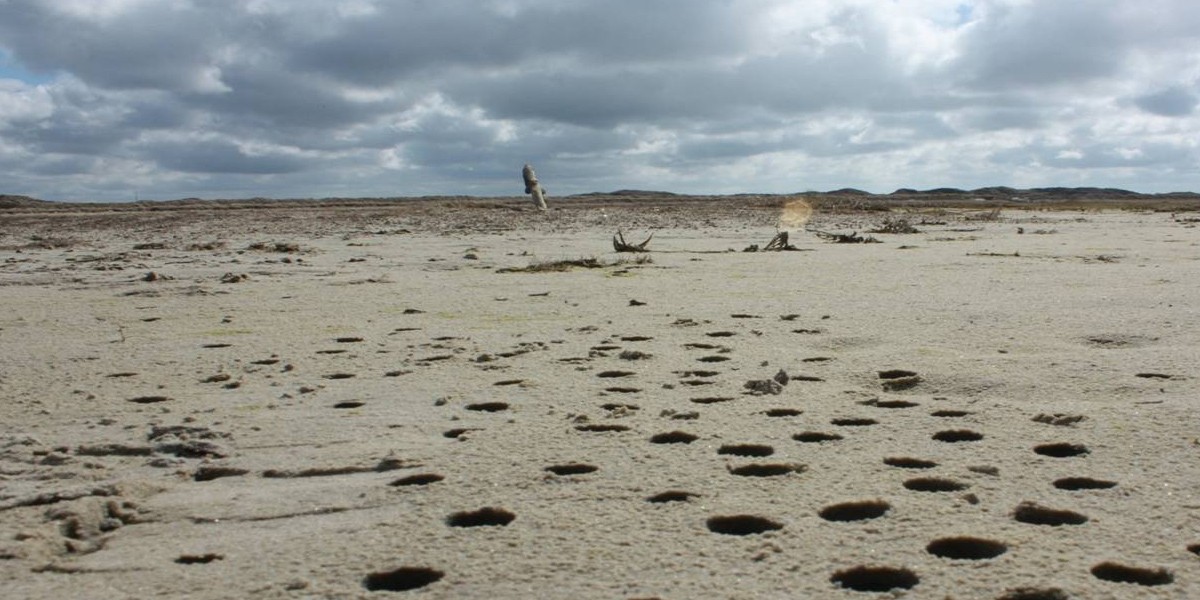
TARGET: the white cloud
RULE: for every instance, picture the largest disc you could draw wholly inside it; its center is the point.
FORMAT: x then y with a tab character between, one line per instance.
365	97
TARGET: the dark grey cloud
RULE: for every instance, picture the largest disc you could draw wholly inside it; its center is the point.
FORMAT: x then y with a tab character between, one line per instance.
374	97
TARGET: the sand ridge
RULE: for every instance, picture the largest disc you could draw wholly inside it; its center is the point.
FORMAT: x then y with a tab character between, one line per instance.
344	408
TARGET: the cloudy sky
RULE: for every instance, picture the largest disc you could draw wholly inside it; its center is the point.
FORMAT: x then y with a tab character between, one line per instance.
160	99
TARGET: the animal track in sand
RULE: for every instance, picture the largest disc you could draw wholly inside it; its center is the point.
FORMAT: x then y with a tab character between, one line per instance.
783	412
605	348
744	316
484	517
198	559
949	413
701	346
742	525
1059	419
854	422
1154	376
696	382
418	479
402	579
934	484
673	437
712	399
1194	549
698	373
954	436
875	579
350	404
671	496
1119	573
572	469
905	462
125	374
150	399
966	548
758	450
720	334
216	345
1061	450
895	380
456	434
877	403
808	331
712	359
348	340
211	472
1073	484
622	390
855	511
767	469
265	361
616	406
487	406
1033	514
601	428
636	338
1035	594
508	382
338	376
811	437
614	374
816	359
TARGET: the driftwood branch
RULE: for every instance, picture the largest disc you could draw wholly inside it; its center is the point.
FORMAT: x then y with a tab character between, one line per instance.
620	245
843	238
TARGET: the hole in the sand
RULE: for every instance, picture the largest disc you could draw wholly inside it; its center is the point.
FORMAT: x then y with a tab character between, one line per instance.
349	404
1035	594
696	382
459	432
1153	376
934	484
1074	484
488	406
875	579
854	422
339	351
855	511
402	579
953	436
1119	573
949	413
198	559
216	345
711	399
766	469
623	390
1033	514
149	399
699	373
1061	450
484	517
746	450
338	376
905	462
1194	549
266	361
701	346
636	338
744	316
601	428
817	359
896	374
889	403
619	406
783	412
673	437
808	331
572	469
966	548
605	347
613	374
810	437
418	479
348	340
720	334
509	382
671	496
126	374
712	359
213	472
742	525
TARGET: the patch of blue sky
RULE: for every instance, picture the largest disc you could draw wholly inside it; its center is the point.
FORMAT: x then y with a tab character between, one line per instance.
11	69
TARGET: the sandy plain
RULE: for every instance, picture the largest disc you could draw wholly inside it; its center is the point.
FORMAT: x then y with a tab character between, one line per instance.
361	402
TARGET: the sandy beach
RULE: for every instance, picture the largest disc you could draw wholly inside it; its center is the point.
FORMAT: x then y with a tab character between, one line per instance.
384	401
